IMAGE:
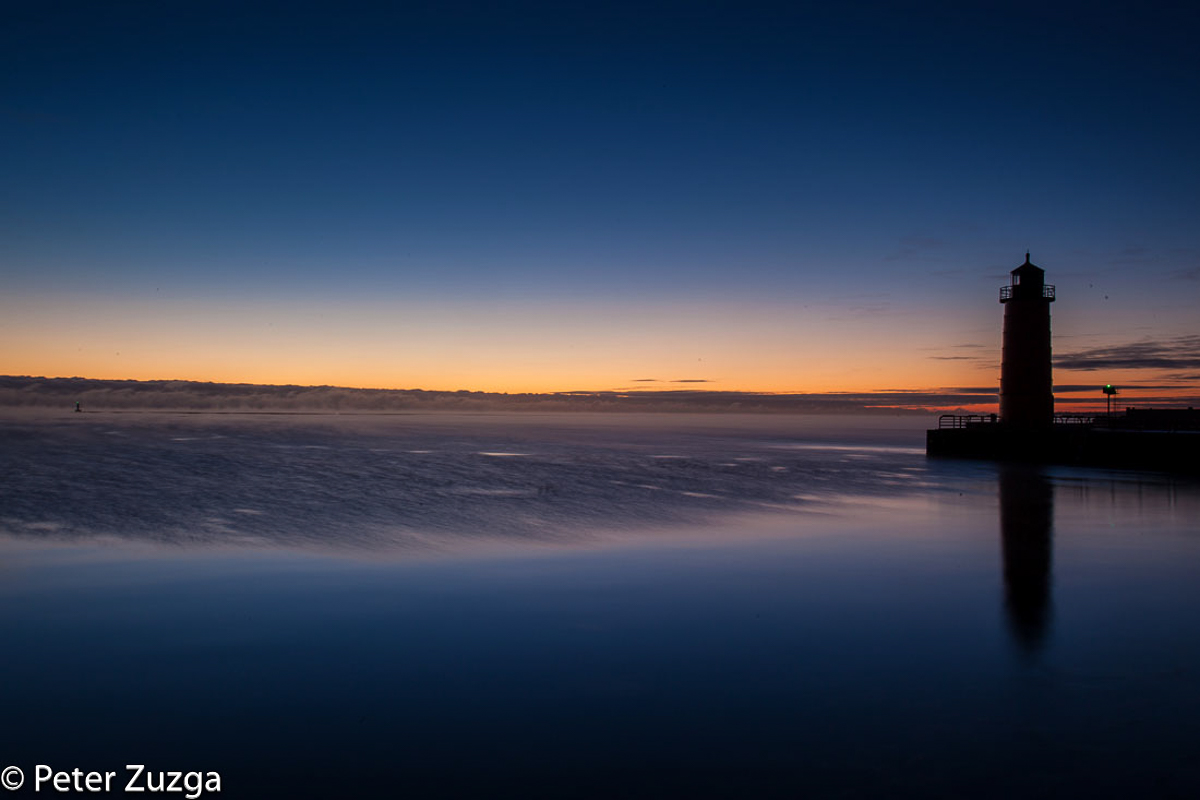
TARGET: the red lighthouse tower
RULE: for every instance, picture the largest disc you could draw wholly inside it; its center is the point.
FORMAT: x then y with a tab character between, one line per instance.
1026	385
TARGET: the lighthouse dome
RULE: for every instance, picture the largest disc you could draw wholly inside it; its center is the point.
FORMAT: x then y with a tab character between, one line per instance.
1028	272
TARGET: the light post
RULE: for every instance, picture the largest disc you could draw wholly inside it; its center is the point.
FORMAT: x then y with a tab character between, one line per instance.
1109	390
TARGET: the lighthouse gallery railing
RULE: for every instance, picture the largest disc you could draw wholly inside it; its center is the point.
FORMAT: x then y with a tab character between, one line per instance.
1006	292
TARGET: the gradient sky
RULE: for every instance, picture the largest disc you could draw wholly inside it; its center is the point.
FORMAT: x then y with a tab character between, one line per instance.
569	196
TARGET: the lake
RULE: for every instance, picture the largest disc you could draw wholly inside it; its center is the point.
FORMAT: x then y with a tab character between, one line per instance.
590	605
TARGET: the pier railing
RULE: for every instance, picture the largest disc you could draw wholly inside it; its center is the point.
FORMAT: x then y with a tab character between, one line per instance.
1076	419
953	421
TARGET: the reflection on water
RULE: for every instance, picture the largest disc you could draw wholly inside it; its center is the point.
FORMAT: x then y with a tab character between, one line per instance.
1026	534
790	612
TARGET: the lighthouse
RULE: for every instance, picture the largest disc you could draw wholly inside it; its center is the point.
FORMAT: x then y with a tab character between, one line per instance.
1026	387
1158	439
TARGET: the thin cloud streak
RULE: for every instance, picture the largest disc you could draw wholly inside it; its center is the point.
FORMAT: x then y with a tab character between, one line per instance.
129	395
1182	352
62	393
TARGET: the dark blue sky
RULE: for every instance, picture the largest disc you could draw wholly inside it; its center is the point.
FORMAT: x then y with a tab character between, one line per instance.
464	152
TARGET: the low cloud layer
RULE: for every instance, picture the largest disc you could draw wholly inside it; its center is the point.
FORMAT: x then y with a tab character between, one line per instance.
97	395
1181	352
105	395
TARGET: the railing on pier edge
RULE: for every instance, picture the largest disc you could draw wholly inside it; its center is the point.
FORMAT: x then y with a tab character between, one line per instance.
1078	419
953	421
949	421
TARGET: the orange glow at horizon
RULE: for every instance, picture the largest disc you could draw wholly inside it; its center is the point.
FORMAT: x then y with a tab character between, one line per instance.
474	348
522	348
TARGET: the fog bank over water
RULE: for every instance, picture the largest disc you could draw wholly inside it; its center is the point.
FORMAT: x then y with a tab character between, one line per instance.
23	391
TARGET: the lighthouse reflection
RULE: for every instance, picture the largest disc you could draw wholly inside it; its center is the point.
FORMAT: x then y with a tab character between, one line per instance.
1026	535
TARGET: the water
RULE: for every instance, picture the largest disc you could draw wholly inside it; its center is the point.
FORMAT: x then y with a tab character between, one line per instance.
590	606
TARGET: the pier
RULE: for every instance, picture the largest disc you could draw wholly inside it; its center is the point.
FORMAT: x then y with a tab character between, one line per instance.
1028	430
1157	439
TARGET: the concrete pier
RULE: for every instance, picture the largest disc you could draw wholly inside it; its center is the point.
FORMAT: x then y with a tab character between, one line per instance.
1027	428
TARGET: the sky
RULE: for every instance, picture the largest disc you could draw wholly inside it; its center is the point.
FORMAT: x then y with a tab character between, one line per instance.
541	197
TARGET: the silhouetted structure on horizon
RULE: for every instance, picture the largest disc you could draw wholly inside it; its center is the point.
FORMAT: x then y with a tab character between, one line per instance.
1027	428
1026	380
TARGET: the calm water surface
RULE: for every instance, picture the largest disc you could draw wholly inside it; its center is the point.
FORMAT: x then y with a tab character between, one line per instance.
590	606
